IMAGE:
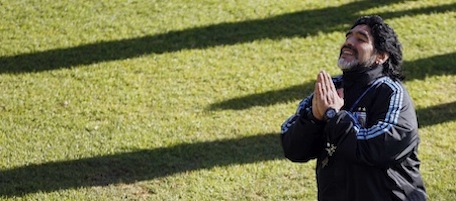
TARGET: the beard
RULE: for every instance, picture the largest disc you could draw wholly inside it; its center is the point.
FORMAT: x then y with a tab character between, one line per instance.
345	65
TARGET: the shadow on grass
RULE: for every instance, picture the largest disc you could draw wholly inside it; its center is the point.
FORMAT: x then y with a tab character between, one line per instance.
289	94
444	64
437	114
419	69
297	24
138	165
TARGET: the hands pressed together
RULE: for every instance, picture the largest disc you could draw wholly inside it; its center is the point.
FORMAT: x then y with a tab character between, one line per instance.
326	95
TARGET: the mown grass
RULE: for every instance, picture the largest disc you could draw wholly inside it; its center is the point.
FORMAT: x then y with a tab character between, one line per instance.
183	100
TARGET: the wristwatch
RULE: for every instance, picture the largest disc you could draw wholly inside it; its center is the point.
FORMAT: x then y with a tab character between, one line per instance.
330	113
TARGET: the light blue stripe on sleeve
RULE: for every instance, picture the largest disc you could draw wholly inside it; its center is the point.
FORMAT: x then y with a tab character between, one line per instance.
391	117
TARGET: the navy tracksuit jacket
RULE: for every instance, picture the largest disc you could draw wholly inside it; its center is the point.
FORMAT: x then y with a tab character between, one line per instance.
368	151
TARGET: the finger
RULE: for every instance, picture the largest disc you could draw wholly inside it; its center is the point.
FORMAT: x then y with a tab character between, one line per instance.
323	78
316	83
320	99
323	87
329	83
333	87
316	90
332	93
316	97
323	95
326	87
319	77
325	84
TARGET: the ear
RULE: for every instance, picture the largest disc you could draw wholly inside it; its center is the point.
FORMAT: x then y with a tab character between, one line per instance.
382	57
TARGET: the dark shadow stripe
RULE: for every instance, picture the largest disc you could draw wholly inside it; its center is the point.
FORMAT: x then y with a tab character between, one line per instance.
139	165
297	24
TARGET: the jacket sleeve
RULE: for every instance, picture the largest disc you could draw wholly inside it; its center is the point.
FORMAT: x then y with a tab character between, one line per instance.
390	136
302	135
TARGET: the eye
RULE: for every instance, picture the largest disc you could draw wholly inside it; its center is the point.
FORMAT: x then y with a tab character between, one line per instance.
348	37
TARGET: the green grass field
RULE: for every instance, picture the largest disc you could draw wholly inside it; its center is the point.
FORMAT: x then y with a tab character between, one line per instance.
183	99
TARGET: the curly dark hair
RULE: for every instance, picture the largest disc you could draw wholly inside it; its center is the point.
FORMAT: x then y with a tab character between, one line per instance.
385	40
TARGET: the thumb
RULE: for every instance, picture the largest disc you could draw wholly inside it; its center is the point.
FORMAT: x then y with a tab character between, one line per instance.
340	92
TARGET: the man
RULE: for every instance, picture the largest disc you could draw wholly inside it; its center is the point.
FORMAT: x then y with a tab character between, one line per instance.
360	126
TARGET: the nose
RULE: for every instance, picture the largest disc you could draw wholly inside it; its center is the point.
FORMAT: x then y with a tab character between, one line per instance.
349	42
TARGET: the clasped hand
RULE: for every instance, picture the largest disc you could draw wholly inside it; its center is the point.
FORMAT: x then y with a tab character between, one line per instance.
325	96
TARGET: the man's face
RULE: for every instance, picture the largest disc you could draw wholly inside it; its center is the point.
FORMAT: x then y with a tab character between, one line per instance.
358	48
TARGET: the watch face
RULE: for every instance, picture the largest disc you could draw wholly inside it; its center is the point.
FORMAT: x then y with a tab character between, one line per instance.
330	113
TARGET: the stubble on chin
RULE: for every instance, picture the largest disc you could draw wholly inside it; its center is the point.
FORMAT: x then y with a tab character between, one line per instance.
347	65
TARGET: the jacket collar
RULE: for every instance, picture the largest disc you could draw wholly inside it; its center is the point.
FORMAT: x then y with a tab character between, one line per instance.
362	76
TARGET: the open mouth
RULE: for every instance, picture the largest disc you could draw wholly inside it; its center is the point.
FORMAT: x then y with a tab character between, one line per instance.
347	51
